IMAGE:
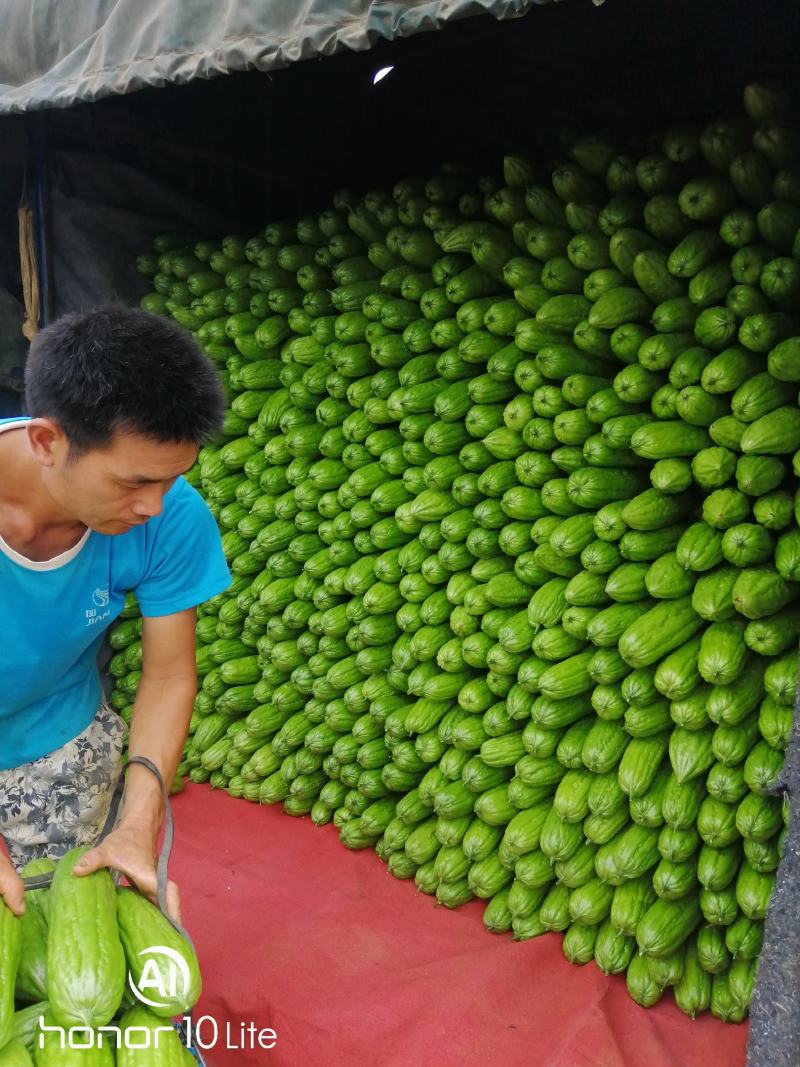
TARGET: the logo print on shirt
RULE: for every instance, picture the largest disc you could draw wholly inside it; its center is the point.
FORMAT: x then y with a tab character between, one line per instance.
100	597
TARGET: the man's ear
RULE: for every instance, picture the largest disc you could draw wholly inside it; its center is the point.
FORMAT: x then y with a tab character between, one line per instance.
47	440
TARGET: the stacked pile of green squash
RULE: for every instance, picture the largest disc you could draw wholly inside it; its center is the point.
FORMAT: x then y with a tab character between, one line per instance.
507	489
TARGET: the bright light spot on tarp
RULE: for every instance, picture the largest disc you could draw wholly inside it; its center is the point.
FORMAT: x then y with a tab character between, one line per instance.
381	74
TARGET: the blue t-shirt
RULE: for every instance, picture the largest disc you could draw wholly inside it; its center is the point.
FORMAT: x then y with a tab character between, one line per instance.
56	612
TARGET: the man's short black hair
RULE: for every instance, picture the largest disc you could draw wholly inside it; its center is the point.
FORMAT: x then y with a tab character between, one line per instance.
122	369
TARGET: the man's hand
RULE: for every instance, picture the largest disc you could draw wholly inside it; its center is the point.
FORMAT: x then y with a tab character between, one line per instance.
12	890
132	852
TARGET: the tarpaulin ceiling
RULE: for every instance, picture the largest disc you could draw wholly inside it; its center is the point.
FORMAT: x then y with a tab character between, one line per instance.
56	54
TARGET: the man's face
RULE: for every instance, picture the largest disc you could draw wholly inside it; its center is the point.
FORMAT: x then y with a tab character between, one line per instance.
113	488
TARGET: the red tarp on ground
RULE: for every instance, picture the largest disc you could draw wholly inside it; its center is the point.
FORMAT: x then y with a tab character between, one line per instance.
353	968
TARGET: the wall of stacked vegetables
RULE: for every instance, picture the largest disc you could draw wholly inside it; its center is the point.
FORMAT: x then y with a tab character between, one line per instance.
507	489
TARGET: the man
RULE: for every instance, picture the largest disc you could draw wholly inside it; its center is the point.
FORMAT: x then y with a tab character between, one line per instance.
92	503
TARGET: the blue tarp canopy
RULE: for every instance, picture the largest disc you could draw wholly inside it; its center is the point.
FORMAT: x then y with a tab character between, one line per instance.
57	53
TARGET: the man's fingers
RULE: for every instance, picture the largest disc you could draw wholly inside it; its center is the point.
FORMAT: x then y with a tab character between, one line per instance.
148	887
91	861
12	889
174	901
144	881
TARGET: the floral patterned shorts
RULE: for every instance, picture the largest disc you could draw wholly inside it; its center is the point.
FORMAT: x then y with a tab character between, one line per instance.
62	800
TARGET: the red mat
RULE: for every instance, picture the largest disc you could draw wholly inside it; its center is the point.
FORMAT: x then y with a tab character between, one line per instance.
353	968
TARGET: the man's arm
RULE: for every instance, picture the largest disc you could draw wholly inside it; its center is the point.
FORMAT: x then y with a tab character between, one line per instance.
161	713
160	722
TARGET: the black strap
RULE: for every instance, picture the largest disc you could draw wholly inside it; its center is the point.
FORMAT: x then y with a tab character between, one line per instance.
162	875
162	866
113	810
